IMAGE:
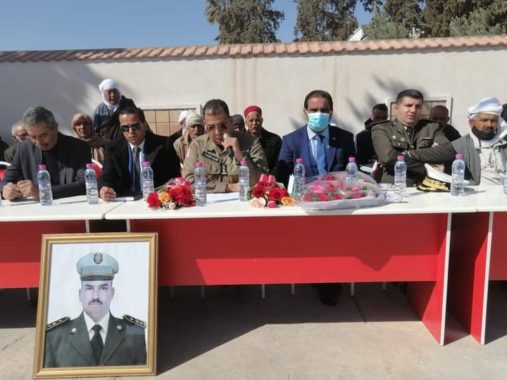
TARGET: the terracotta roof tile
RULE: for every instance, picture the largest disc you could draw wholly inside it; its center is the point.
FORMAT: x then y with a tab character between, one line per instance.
269	49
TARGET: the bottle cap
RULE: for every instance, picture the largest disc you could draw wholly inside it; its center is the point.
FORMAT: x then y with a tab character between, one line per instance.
146	163
299	160
459	156
352	159
400	157
242	162
198	164
89	166
42	167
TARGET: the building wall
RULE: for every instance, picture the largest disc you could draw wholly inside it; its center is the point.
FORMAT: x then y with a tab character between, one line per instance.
276	83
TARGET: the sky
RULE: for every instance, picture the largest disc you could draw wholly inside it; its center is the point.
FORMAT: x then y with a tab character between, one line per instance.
98	24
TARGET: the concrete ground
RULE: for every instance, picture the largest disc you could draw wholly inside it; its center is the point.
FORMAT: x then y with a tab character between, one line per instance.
374	335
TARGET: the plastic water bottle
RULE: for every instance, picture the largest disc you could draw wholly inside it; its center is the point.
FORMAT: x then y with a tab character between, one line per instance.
244	181
458	176
200	184
299	180
400	179
44	180
351	170
148	186
92	194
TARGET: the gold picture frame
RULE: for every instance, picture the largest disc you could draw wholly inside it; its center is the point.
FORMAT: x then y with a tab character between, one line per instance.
91	280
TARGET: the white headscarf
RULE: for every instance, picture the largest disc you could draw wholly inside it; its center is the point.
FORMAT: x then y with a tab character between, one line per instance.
486	105
110	84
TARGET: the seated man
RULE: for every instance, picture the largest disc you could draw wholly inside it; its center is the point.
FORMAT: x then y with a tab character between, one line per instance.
221	149
65	158
322	147
441	114
121	174
484	149
408	131
271	143
194	127
105	117
238	123
19	134
365	152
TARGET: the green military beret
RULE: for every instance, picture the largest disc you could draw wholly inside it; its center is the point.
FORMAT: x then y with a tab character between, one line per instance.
97	266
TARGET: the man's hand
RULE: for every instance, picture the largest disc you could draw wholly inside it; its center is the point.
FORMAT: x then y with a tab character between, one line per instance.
28	188
233	142
107	193
11	191
232	188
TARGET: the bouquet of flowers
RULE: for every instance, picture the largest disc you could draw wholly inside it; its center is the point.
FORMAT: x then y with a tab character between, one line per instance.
269	193
174	194
332	191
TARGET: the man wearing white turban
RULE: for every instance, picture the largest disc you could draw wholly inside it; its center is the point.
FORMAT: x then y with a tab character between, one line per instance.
484	149
105	118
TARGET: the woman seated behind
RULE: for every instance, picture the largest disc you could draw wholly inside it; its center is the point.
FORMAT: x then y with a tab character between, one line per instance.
82	126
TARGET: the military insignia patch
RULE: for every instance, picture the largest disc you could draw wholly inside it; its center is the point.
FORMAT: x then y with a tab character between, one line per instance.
134	321
56	323
210	156
97	258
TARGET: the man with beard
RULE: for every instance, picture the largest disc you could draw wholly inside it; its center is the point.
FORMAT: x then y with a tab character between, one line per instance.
484	149
95	337
194	127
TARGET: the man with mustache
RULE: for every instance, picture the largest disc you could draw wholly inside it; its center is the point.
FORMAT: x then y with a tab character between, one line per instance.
95	337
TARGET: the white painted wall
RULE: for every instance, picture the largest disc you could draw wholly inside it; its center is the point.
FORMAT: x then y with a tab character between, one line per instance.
278	84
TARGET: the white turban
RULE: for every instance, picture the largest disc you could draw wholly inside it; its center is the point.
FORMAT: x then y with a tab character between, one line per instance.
486	105
109	84
182	117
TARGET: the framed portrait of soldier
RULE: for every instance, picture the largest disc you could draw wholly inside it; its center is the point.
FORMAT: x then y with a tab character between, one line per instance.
97	305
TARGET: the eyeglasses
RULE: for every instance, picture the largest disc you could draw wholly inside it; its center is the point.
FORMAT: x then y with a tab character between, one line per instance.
222	127
134	127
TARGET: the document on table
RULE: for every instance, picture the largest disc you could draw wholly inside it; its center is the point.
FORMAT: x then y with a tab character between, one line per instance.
221	197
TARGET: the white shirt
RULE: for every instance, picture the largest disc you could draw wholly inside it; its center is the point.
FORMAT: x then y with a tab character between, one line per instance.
104	323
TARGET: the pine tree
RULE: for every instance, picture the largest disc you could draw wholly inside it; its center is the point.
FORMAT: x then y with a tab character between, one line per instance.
325	20
244	21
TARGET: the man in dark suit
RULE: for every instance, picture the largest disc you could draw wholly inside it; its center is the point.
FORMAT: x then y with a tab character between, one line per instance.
122	172
323	149
95	337
65	158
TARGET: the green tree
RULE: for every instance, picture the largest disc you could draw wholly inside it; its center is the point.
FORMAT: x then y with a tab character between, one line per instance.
372	6
382	28
244	21
479	22
324	20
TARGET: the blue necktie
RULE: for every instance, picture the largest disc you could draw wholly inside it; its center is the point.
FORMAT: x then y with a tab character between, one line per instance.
137	170
321	154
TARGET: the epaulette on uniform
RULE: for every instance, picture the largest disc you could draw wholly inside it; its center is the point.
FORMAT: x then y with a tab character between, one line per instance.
57	323
134	321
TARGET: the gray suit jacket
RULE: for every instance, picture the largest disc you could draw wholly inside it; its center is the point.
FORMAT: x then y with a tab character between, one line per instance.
68	344
73	155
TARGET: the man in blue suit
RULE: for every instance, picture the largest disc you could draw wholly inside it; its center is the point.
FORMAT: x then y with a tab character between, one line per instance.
323	148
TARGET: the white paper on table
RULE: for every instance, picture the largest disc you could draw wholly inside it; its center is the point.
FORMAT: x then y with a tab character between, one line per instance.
290	185
221	197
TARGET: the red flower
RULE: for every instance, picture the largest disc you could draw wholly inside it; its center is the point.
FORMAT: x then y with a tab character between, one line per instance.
323	197
153	201
277	194
258	192
176	194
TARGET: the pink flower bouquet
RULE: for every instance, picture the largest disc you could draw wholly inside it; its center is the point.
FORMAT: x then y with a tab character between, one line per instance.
331	191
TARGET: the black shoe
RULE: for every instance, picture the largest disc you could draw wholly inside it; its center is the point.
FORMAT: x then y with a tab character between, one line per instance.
328	293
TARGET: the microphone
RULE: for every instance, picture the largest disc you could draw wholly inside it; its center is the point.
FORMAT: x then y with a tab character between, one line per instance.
230	151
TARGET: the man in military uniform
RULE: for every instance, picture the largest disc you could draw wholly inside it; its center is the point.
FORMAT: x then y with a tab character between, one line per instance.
96	337
221	149
407	132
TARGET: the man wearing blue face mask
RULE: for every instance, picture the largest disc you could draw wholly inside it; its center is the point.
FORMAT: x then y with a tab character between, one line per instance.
322	147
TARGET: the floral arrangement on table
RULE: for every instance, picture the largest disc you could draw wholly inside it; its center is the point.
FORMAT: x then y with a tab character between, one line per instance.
269	193
174	194
333	191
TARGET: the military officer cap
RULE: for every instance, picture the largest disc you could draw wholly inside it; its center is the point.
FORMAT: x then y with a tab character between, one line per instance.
97	266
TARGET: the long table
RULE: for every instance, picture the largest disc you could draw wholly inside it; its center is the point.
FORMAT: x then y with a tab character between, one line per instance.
231	243
22	225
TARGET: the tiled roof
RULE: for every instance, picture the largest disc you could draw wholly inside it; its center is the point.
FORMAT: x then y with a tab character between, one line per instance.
252	50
